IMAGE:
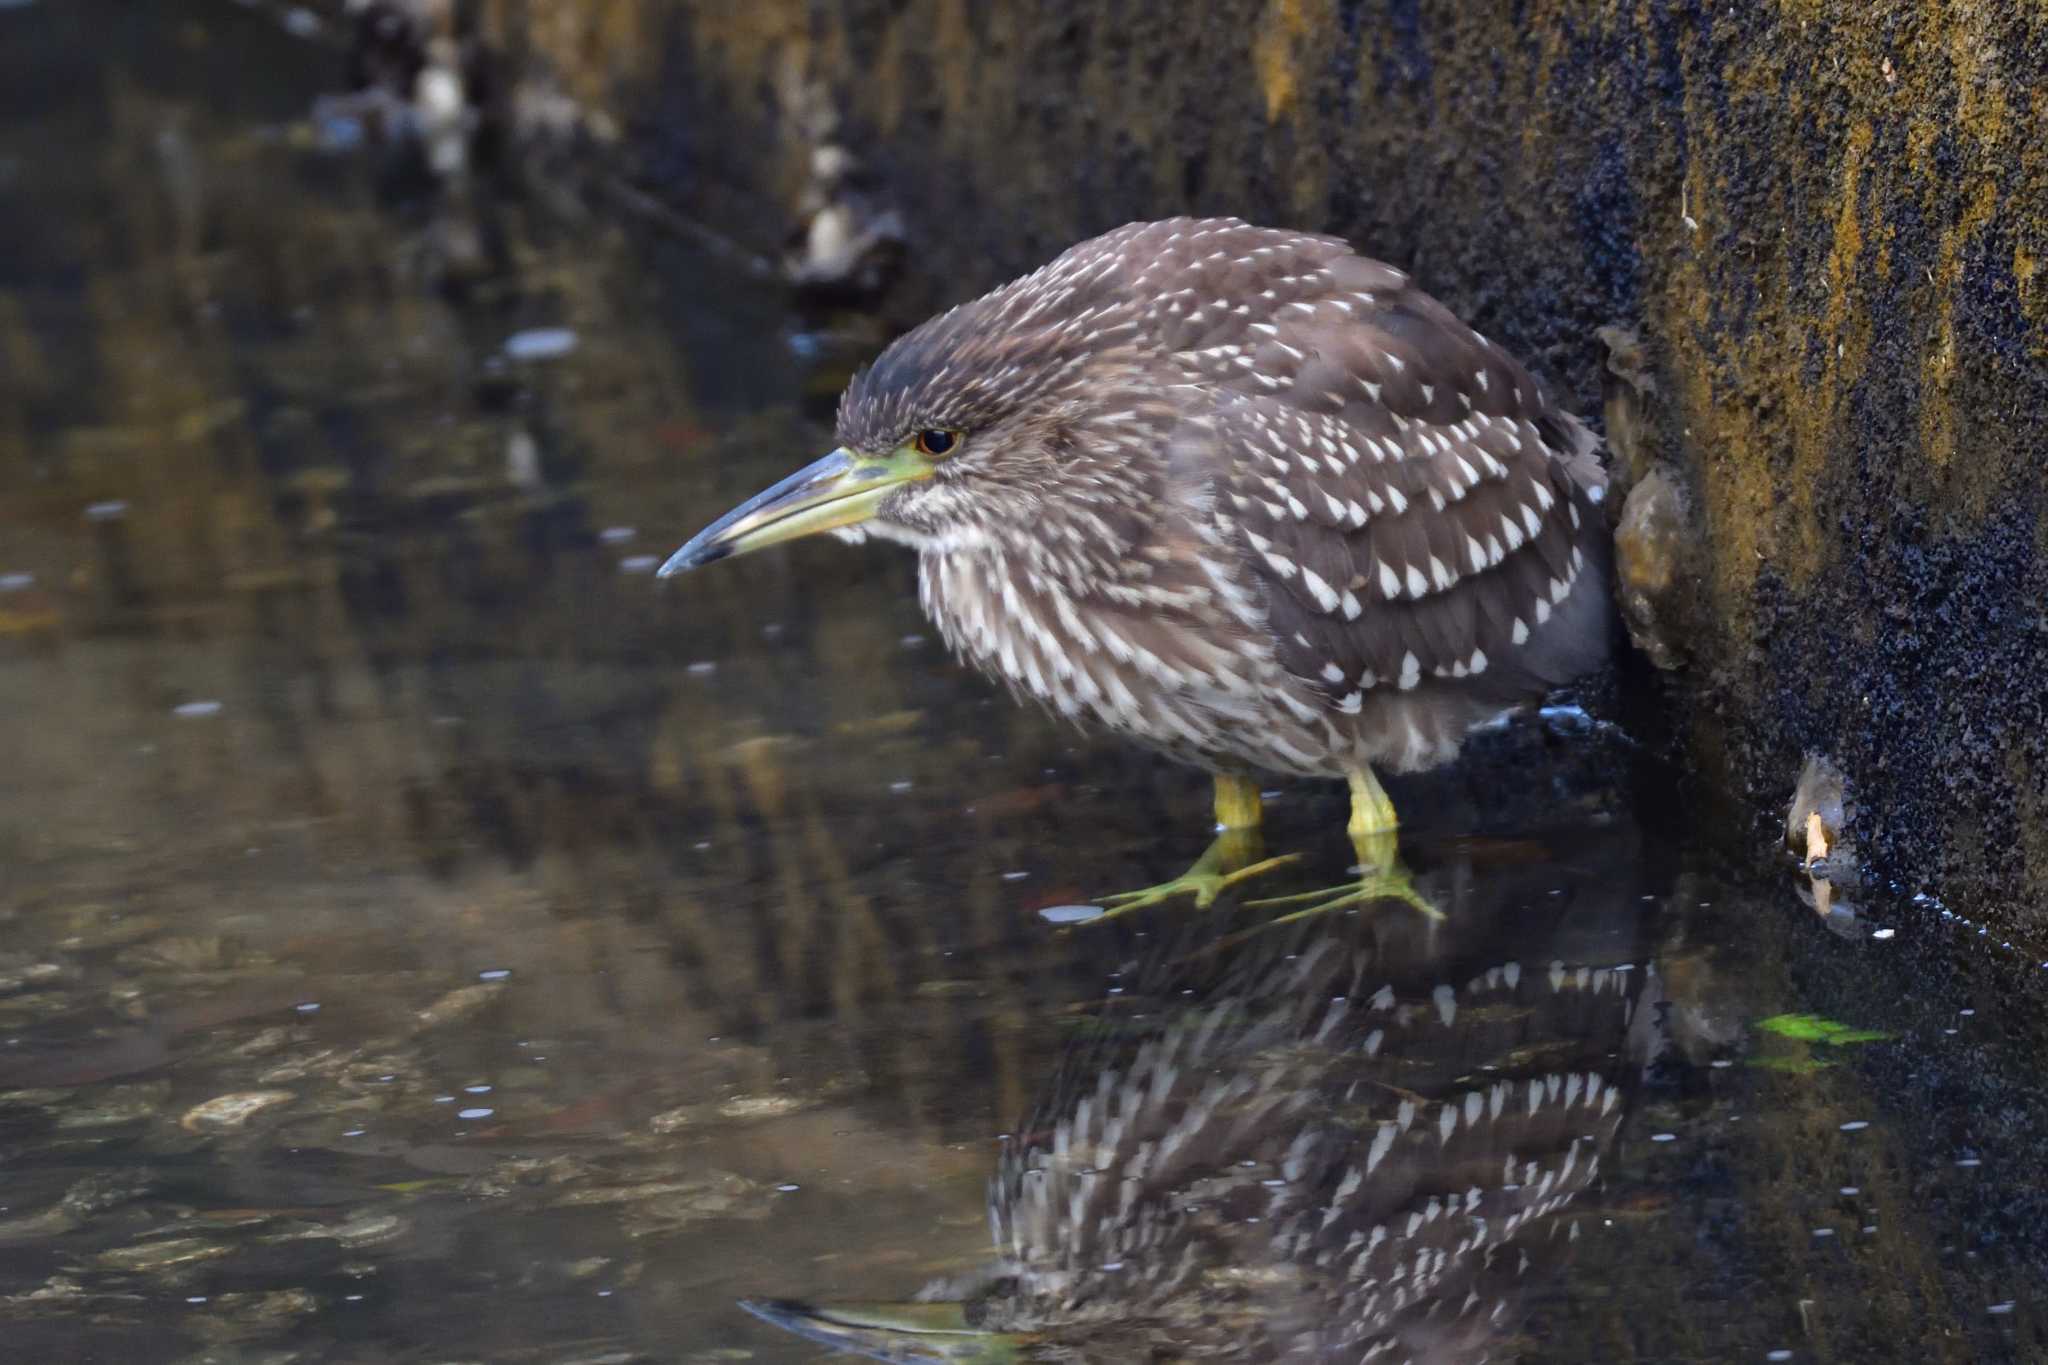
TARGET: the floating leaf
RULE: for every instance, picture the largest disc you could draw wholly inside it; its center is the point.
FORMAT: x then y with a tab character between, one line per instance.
1813	1028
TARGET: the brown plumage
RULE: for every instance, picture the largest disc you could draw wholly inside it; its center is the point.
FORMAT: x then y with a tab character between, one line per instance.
1245	495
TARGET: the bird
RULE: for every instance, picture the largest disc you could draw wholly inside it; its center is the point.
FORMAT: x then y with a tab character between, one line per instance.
1241	494
1343	1144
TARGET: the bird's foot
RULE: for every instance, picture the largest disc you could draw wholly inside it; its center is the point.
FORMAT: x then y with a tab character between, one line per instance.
1378	884
1381	878
1231	858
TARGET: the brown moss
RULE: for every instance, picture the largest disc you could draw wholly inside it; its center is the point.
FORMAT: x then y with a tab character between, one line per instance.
1275	54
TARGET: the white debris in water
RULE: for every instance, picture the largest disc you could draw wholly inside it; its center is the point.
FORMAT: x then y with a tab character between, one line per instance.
900	787
1779	1355
639	564
703	668
1663	1137
196	710
112	510
307	1007
476	1090
15	582
1852	1189
788	1188
1070	914
616	535
474	1113
1015	876
1855	1125
1882	933
541	343
2001	1309
494	974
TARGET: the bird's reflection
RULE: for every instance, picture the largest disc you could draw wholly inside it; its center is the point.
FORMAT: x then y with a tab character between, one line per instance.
1353	1137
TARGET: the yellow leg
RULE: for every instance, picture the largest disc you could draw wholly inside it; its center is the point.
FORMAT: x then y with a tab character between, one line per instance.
1232	857
1237	802
1372	810
1375	839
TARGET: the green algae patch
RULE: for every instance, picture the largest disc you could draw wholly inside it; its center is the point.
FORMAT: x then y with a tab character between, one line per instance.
1814	1028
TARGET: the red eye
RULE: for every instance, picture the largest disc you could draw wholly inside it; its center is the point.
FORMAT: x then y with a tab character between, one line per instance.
936	443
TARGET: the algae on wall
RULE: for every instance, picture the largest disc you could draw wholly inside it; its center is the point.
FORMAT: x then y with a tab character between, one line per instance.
1827	221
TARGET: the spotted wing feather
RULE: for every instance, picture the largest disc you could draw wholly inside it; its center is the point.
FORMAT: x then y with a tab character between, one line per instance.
1412	503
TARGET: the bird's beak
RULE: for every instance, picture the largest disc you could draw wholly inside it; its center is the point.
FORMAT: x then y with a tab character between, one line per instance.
901	1333
843	489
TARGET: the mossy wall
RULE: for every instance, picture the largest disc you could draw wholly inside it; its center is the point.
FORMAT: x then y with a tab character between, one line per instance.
1828	222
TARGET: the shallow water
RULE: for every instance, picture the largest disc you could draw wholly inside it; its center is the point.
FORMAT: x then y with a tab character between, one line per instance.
424	937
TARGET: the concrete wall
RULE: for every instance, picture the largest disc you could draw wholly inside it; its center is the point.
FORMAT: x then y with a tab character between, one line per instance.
1827	222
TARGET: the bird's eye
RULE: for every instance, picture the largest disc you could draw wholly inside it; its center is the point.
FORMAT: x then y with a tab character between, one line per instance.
936	442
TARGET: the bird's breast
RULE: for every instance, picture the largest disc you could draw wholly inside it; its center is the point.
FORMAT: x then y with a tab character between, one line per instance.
1163	662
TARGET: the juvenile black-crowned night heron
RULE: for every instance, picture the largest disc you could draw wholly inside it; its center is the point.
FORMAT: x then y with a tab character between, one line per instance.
1241	494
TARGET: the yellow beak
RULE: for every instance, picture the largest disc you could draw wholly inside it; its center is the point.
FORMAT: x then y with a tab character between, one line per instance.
843	489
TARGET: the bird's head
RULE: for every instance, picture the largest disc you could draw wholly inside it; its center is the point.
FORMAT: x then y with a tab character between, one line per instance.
975	425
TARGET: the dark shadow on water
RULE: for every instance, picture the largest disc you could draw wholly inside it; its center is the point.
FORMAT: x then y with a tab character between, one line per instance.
423	937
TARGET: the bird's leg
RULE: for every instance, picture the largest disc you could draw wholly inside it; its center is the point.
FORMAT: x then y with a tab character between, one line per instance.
1233	856
1375	839
1372	810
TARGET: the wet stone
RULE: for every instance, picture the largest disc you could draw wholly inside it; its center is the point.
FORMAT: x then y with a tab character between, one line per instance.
244	1317
155	1257
32	976
457	1005
226	1112
189	953
112	1106
660	1206
760	1106
322	1063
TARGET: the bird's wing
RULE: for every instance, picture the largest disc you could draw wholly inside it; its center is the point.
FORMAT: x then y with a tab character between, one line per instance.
1412	503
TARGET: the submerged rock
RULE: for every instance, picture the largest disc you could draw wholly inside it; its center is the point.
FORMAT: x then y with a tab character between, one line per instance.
175	1253
232	1111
